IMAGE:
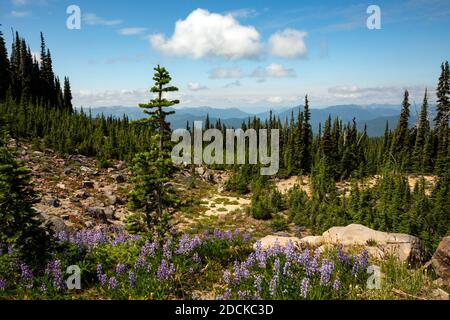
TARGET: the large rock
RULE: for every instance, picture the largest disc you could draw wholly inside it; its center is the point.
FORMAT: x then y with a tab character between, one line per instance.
441	261
57	224
97	213
405	247
379	244
119	178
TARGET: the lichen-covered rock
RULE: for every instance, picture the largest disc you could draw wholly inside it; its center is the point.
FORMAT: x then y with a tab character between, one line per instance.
441	261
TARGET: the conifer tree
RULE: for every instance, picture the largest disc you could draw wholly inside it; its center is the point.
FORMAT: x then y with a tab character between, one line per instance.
18	219
400	141
157	114
442	118
67	95
4	68
423	127
152	169
307	138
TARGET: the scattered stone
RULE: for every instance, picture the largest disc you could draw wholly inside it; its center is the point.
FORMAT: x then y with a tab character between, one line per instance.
61	186
54	203
97	213
118	178
48	152
88	184
441	261
112	199
110	213
85	169
89	224
200	171
65	217
67	171
37	153
57	224
270	241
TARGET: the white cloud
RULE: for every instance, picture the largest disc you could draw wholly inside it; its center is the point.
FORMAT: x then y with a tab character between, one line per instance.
20	14
233	84
274	70
225	73
93	20
289	43
195	86
204	34
131	31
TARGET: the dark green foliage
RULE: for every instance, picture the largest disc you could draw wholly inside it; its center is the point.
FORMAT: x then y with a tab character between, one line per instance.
19	223
152	170
4	68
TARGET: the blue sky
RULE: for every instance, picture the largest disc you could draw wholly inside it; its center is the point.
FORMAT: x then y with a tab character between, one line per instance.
248	54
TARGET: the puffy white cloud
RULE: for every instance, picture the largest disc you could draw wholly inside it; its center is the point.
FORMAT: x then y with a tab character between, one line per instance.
289	43
92	19
131	31
195	86
20	14
226	73
274	70
204	34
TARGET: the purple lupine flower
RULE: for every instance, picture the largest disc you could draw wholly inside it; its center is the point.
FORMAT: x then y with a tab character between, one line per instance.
165	270
3	284
147	250
326	270
217	234
26	272
286	271
132	279
364	260
304	258
246	237
237	272
244	295
112	284
226	277
276	266
340	253
304	287
102	278
167	251
196	258
336	284
289	251
227	295
173	231
258	284
312	266
260	255
273	285
119	239
355	268
53	270
120	269
228	235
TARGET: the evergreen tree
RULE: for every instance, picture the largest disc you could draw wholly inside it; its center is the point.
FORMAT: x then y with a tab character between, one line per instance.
400	141
4	68
423	128
18	219
158	116
442	118
307	138
67	95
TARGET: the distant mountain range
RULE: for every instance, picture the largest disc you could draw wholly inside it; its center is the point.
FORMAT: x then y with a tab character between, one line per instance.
374	116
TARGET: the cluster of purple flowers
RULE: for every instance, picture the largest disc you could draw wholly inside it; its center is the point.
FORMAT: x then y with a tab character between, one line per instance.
360	262
304	287
229	235
326	270
3	284
187	245
102	278
147	250
165	270
120	269
53	271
